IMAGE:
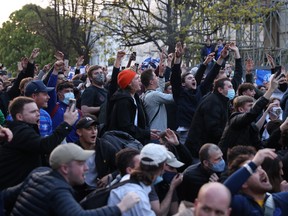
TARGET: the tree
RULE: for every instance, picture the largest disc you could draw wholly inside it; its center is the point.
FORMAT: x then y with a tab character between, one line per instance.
164	22
18	41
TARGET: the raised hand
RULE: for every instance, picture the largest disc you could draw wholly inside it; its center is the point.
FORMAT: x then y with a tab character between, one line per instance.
270	60
209	58
262	154
34	54
59	55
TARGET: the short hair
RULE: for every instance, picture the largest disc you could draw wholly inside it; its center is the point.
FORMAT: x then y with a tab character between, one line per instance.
146	173
240	150
91	69
64	85
17	104
219	83
24	82
244	87
205	150
184	75
237	162
124	159
240	101
146	77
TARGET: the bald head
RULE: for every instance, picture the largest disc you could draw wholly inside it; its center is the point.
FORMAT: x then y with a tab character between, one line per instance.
214	198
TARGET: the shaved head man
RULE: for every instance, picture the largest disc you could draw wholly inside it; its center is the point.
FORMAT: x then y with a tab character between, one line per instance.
213	199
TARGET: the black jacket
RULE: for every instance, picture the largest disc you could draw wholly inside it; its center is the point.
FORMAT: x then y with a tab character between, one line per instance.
19	157
241	128
193	179
208	122
122	110
48	193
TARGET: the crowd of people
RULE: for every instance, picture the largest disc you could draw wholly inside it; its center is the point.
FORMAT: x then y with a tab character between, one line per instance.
169	141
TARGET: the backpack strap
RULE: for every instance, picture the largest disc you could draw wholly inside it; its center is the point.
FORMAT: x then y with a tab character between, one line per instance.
269	205
143	100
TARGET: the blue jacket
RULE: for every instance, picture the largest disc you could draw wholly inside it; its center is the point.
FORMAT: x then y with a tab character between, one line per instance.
243	204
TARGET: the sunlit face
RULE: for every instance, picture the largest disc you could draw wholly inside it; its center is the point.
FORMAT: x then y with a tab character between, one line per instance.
155	81
76	172
190	82
41	99
227	85
258	182
30	114
246	107
212	204
88	135
135	84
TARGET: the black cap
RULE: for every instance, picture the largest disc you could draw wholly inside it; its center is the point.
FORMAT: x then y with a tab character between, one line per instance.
36	86
86	122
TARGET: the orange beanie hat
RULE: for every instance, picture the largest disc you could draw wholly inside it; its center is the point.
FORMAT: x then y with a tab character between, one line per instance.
125	77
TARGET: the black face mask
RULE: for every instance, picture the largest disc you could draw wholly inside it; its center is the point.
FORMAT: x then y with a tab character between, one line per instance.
168	176
99	79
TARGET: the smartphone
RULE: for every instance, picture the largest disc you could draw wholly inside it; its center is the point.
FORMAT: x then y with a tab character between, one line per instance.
72	102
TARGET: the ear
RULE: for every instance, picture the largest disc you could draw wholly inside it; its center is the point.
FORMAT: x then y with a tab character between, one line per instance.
220	90
183	84
245	185
19	117
229	211
129	170
206	163
33	96
196	202
64	169
240	109
79	132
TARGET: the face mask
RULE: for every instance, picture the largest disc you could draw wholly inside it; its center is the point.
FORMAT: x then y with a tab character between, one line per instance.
218	167
158	180
168	176
230	94
99	79
67	96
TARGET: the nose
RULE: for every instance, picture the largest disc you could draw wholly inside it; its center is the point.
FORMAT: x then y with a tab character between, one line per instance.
86	168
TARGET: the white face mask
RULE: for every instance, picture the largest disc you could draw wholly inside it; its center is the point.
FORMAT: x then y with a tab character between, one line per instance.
68	96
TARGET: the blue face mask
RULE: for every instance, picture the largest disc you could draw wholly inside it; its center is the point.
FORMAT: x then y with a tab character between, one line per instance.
67	96
218	167
158	180
230	94
168	176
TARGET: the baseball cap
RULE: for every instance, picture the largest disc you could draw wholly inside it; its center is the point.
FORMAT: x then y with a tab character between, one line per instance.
36	86
86	122
65	153
173	162
154	154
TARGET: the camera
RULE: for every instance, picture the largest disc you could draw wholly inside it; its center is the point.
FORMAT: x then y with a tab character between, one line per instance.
276	111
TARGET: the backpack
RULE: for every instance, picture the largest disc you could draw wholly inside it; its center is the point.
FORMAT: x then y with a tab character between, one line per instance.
99	197
121	140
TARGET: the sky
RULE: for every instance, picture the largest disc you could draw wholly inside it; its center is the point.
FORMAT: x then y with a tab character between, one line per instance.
14	5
